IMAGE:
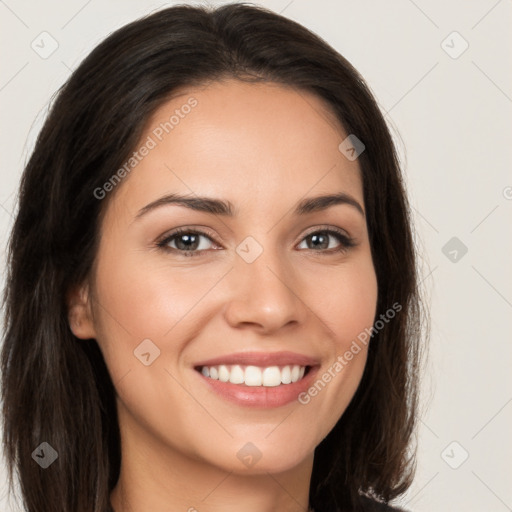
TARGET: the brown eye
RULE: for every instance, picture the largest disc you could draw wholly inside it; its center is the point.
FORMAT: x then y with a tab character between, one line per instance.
187	242
321	240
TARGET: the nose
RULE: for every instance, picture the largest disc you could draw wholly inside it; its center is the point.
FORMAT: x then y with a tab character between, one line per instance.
266	293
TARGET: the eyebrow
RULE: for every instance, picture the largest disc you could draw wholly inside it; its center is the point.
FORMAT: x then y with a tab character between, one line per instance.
225	208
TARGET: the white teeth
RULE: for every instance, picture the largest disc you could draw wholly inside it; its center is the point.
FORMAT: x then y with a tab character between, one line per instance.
237	375
270	376
223	373
252	376
286	375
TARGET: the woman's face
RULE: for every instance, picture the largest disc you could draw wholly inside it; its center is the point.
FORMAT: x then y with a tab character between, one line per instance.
266	286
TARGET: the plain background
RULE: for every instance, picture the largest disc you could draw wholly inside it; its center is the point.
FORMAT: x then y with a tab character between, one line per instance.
450	111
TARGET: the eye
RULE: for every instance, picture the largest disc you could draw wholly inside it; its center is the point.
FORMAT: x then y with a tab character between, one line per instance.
187	242
320	239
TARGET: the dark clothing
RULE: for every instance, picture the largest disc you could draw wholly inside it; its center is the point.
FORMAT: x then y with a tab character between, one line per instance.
375	506
370	505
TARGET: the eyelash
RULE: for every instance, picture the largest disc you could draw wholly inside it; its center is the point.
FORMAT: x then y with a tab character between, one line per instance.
345	241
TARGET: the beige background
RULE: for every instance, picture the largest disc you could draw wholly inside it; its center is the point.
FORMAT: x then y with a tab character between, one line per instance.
451	115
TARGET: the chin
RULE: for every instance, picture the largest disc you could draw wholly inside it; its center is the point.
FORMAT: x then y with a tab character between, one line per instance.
261	457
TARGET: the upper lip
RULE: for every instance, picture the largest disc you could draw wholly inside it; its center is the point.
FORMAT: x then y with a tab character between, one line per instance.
263	359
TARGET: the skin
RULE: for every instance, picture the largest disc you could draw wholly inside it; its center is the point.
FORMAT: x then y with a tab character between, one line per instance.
263	147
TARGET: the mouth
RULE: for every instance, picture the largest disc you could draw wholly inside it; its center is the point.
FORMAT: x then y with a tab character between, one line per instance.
255	379
255	376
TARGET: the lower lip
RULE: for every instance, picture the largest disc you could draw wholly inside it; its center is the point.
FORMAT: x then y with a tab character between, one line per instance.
261	396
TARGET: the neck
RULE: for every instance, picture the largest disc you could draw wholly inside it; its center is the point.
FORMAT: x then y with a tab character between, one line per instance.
160	478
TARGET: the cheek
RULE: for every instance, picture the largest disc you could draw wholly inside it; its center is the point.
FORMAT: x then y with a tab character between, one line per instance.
357	303
353	315
346	300
347	306
141	298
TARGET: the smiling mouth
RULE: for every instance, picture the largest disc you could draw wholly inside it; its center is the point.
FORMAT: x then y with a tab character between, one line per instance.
254	376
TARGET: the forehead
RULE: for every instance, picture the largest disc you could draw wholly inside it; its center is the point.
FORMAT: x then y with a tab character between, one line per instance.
263	142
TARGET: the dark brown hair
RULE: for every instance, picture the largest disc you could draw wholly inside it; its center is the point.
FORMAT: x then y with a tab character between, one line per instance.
56	388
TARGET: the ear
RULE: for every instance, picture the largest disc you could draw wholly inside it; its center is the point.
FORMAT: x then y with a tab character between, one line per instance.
80	316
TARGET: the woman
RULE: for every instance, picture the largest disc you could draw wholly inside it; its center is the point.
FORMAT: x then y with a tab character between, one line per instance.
211	299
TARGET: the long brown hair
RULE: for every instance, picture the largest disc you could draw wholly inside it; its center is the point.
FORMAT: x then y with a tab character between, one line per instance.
57	389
